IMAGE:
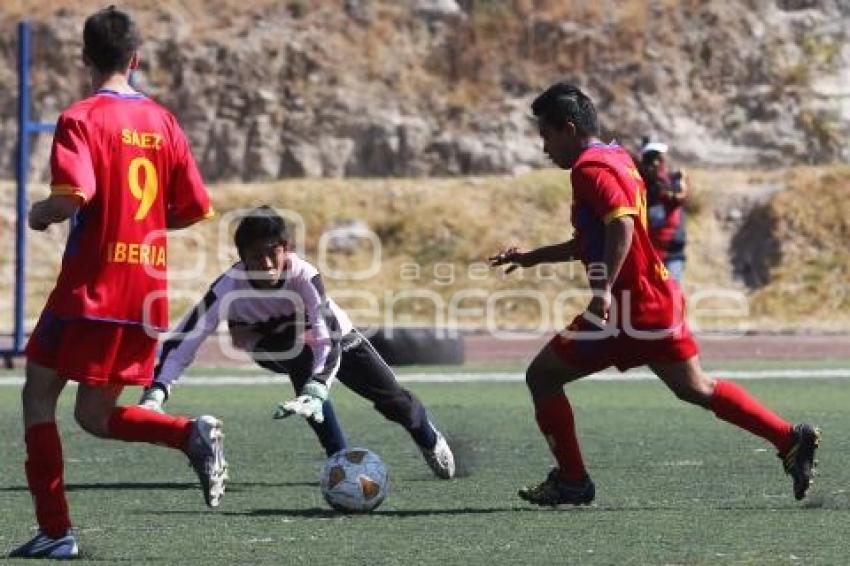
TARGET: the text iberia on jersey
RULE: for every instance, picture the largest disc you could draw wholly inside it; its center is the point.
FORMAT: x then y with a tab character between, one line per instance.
127	252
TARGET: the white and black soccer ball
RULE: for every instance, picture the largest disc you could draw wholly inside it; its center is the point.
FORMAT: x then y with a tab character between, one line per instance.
354	480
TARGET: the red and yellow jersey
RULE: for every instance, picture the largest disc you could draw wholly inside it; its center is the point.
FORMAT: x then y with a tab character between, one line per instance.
607	185
129	160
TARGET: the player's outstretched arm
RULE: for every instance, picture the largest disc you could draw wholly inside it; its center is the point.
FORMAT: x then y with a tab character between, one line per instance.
53	209
556	253
179	350
324	342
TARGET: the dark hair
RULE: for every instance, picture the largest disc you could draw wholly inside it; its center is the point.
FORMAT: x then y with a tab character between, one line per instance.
260	224
110	38
563	102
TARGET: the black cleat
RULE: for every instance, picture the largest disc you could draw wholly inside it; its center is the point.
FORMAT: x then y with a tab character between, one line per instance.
799	462
555	491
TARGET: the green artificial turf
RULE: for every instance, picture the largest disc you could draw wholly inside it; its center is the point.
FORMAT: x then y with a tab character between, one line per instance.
674	484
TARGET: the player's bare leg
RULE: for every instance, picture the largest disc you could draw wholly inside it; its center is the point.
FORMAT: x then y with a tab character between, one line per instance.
44	467
93	407
687	381
569	482
40	394
730	402
547	374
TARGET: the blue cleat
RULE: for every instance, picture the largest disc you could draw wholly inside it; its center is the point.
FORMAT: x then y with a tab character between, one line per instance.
42	546
555	491
799	462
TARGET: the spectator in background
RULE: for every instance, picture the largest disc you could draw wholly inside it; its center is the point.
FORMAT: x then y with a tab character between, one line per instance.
666	193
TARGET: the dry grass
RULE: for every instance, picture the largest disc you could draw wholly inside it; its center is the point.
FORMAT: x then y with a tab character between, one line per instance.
435	235
811	284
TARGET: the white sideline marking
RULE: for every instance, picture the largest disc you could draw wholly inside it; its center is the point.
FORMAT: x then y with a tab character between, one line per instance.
504	376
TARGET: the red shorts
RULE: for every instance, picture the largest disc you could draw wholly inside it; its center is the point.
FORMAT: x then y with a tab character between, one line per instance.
93	352
584	346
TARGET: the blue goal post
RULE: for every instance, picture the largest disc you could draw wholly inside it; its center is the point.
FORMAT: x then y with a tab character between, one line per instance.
26	128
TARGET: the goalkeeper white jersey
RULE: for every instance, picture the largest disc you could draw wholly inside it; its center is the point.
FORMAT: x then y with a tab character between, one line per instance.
297	314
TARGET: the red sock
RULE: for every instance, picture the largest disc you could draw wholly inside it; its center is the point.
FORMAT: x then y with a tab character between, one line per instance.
137	424
733	404
555	420
44	469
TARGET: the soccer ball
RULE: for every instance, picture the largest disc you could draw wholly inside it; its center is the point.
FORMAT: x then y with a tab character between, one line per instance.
354	480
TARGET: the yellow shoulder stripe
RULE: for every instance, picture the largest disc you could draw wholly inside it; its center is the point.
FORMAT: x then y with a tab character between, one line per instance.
619	212
68	190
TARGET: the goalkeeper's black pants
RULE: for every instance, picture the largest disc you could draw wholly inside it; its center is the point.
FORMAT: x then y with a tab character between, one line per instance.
364	371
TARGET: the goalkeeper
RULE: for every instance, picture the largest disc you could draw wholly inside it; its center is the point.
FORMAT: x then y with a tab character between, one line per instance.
277	310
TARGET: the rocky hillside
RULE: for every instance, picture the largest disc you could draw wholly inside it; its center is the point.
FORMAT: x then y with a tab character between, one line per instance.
362	88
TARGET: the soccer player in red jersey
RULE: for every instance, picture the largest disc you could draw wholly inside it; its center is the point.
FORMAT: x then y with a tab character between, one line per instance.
636	313
122	167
